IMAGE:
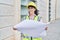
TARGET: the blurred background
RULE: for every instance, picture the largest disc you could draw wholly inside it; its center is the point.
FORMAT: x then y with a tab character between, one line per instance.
13	11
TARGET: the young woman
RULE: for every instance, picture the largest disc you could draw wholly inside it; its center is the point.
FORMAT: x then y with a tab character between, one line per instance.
33	15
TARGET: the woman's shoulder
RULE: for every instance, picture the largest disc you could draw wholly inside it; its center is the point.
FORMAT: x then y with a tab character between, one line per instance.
39	17
25	17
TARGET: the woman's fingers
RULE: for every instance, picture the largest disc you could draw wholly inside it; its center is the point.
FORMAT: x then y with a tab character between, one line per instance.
14	28
46	28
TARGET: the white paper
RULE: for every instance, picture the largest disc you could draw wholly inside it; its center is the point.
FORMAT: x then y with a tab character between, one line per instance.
31	27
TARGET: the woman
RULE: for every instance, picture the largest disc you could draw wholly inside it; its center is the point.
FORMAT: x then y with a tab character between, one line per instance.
33	12
33	15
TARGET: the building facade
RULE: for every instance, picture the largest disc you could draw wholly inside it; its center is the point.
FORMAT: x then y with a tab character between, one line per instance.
9	16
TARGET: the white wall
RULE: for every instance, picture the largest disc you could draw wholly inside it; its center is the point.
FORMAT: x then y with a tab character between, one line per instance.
9	16
58	9
53	10
43	9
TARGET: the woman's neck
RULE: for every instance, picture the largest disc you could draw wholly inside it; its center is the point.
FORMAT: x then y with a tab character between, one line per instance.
31	14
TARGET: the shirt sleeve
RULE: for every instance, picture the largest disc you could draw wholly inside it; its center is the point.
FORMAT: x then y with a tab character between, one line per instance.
39	18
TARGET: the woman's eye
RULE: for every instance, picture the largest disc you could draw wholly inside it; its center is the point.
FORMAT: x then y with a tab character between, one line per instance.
31	8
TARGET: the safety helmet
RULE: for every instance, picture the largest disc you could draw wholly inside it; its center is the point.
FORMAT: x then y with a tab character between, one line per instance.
32	4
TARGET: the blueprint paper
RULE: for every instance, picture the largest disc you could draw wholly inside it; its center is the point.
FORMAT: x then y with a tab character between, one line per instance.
31	27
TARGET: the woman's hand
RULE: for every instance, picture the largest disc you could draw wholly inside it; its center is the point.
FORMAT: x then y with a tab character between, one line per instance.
14	28
46	28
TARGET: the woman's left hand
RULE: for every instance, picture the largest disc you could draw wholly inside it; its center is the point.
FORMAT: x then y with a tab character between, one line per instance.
46	28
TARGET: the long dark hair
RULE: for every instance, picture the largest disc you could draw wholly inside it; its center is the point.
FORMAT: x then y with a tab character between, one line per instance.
36	11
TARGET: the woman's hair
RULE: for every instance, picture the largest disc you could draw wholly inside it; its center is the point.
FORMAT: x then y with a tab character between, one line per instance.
36	11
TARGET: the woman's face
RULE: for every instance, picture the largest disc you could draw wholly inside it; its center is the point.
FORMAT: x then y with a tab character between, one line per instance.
31	9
